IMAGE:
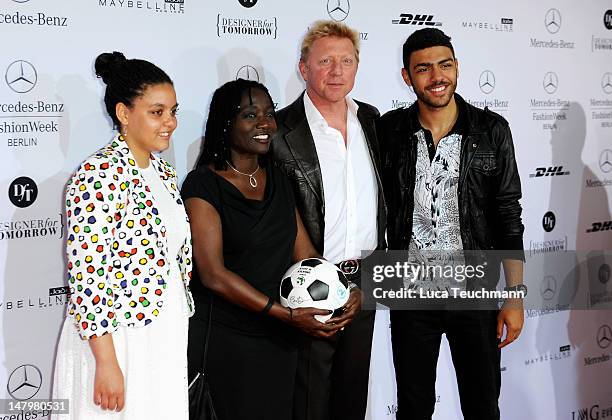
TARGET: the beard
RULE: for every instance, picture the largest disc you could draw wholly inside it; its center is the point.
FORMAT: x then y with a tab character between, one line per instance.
436	101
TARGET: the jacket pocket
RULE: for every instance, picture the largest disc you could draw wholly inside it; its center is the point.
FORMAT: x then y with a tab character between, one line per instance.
484	163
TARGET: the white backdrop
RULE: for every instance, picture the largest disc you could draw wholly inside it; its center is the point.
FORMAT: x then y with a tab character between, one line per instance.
546	66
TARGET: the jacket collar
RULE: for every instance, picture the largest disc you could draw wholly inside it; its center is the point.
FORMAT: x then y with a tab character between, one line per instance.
301	145
470	118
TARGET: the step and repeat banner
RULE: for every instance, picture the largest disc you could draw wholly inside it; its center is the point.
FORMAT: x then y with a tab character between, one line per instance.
545	66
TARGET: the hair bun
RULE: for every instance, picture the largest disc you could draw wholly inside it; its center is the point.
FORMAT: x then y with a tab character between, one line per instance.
106	63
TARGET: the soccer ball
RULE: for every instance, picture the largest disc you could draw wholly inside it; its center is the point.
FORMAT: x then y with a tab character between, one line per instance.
314	283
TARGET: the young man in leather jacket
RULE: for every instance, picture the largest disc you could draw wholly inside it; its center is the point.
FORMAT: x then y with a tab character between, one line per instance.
452	185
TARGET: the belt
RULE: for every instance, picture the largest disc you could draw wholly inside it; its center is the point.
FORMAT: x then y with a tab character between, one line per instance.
351	269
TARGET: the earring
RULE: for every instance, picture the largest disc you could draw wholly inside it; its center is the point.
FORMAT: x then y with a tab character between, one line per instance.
124	134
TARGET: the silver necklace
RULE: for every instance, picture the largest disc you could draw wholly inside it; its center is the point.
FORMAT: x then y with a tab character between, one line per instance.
251	176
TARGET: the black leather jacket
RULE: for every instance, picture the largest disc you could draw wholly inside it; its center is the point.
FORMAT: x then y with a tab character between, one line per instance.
293	150
489	186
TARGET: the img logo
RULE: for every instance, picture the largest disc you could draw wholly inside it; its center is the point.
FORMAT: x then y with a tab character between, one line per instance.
23	192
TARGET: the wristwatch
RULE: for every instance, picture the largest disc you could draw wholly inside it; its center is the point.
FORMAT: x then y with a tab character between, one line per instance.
351	285
517	288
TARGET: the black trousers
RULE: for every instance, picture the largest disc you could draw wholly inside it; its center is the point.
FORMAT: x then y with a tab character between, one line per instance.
472	337
332	374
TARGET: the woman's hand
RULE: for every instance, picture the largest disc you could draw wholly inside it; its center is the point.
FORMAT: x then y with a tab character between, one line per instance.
303	318
109	387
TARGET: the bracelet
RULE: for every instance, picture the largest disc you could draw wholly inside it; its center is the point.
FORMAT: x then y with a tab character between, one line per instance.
351	286
266	309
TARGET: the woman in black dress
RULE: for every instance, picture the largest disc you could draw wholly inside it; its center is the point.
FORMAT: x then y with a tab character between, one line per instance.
246	232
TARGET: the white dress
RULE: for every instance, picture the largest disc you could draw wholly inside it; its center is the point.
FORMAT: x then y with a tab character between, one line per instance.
153	358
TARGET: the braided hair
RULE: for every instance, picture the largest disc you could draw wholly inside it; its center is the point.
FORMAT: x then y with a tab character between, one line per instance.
224	107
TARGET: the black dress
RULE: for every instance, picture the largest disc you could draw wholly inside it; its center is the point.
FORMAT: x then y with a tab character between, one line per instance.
251	358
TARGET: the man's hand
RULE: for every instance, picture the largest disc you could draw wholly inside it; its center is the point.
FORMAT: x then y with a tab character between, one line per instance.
512	316
351	309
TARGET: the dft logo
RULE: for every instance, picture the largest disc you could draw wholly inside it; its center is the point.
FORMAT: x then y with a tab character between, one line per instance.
23	192
548	221
608	19
248	3
25	382
248	73
552	21
410	19
21	76
486	82
338	10
550	82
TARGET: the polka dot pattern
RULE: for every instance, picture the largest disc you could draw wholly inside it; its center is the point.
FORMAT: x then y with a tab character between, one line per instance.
116	243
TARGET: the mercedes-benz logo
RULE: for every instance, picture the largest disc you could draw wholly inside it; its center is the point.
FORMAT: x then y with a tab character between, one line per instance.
552	21
247	3
604	336
548	288
21	76
248	73
25	382
486	82
604	274
605	161
606	83
550	82
338	10
548	221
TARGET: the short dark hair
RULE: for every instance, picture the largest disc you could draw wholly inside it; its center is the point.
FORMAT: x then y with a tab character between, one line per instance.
126	79
424	38
224	107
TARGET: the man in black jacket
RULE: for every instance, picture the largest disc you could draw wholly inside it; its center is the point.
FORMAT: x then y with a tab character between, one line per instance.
452	185
326	144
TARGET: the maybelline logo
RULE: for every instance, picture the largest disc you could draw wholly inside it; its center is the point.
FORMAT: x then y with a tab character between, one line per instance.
504	25
563	353
160	6
338	10
545	171
552	23
549	221
400	103
416	19
600	226
23	192
57	296
392	408
34	228
24	382
227	26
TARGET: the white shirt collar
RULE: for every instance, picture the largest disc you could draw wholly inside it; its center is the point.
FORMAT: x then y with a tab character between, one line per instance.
315	119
